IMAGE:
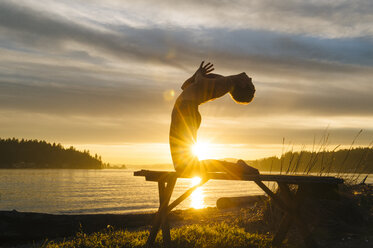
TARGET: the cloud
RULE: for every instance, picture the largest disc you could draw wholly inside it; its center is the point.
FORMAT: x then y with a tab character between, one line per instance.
71	91
35	29
40	29
317	18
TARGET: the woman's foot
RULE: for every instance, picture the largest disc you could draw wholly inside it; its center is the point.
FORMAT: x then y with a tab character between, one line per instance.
246	169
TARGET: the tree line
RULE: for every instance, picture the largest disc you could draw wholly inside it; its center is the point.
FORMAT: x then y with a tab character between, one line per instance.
356	160
15	153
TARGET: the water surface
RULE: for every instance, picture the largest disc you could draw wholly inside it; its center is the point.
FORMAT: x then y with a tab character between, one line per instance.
66	191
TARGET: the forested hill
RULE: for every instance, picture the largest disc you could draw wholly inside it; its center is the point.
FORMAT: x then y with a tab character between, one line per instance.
16	153
358	160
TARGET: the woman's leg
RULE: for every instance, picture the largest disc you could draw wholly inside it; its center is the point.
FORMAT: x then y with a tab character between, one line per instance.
240	167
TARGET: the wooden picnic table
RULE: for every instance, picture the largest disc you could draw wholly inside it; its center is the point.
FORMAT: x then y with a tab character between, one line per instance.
289	202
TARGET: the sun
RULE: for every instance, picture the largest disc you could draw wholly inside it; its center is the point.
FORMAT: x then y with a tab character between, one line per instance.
201	150
196	181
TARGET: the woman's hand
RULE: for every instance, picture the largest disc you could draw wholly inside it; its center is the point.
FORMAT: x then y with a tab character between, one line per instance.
202	71
205	69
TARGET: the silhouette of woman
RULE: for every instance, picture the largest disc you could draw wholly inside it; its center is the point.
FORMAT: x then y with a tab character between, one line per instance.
204	86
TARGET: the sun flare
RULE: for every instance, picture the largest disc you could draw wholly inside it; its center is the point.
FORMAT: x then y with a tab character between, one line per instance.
201	150
196	181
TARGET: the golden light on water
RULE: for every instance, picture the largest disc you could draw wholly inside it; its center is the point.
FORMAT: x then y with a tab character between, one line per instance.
202	150
197	196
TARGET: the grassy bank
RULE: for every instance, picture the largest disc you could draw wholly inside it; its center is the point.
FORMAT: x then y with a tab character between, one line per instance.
203	236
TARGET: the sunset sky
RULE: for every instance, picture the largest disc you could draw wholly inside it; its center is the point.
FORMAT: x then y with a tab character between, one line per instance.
103	75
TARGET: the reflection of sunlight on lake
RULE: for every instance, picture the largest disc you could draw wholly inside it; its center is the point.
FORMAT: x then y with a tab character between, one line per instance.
197	196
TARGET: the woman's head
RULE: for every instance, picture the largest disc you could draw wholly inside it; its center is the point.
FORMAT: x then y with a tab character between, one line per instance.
243	89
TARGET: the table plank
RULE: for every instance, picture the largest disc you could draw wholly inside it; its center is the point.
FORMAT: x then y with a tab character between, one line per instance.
290	179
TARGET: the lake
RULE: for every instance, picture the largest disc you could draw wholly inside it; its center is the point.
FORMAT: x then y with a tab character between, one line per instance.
66	191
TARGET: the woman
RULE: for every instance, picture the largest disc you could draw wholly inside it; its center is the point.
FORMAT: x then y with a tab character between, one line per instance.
202	87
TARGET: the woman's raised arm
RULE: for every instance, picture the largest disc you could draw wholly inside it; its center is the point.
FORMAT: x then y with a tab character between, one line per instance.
203	70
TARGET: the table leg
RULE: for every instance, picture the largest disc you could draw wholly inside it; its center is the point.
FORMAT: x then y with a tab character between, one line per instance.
295	203
290	205
164	221
165	192
300	223
276	199
288	217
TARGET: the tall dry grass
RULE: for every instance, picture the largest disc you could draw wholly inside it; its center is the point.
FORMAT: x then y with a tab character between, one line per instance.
321	160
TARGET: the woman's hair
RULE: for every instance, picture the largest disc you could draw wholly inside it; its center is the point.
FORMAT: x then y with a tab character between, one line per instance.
243	94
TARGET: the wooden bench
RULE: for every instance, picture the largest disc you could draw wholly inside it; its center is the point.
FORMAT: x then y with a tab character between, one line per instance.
289	202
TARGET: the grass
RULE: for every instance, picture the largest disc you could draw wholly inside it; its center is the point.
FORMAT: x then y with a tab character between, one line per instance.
203	236
322	160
